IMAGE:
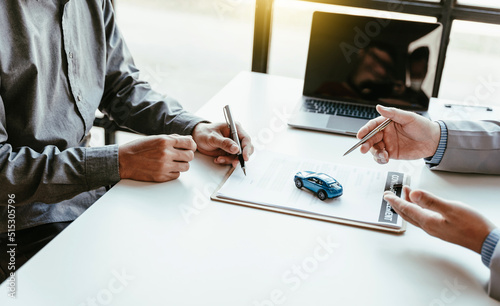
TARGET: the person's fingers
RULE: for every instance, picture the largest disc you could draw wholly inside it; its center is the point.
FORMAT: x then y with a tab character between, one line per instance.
246	142
379	152
235	162
428	220
364	148
248	150
369	126
377	138
216	140
225	159
399	116
183	142
406	192
172	175
429	201
229	146
182	155
401	207
381	156
413	211
173	167
180	167
220	160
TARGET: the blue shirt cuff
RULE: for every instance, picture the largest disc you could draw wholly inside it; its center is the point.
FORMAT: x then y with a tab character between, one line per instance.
489	246
443	141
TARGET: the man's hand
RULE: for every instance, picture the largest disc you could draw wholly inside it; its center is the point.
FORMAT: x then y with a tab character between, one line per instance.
409	136
156	158
213	139
451	221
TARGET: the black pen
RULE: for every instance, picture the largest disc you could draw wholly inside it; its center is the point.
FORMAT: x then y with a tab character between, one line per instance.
234	135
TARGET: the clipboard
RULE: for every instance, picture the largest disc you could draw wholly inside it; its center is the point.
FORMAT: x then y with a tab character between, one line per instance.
310	214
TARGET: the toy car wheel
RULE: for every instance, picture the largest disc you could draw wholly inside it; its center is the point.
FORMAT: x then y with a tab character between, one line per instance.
322	195
298	183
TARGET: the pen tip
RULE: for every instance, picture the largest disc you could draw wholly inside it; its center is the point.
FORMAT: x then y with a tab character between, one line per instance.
244	171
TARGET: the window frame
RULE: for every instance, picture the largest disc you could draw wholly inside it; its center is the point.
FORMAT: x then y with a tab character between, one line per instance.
445	11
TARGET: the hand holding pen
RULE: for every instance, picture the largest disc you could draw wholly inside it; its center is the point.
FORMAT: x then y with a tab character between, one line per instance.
234	135
379	128
214	139
408	136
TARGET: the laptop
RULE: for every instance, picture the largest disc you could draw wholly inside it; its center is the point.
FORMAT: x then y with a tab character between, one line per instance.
356	62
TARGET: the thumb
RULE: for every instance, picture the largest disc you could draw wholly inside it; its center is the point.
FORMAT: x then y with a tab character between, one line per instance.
399	116
225	143
429	201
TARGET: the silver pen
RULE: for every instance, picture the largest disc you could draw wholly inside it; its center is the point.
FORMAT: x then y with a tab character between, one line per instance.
234	135
379	128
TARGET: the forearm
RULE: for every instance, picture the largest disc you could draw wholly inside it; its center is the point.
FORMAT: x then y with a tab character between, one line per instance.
137	107
472	147
53	175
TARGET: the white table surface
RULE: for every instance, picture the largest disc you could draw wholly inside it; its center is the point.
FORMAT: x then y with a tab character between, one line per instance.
168	244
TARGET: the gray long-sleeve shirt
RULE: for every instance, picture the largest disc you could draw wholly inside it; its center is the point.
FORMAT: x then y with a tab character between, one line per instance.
60	60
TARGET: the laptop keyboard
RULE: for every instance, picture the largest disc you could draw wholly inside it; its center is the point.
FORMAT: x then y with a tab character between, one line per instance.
339	109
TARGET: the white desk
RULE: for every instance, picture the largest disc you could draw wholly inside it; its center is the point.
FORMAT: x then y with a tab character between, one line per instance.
173	246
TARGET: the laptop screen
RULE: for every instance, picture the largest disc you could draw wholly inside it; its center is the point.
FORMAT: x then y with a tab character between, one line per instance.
372	60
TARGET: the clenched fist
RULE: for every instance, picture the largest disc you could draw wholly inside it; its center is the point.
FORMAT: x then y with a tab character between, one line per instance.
156	158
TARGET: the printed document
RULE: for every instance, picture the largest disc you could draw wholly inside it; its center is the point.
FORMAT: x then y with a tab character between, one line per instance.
270	182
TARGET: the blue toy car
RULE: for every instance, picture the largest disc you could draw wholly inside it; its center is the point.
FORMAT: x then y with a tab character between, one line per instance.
323	185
